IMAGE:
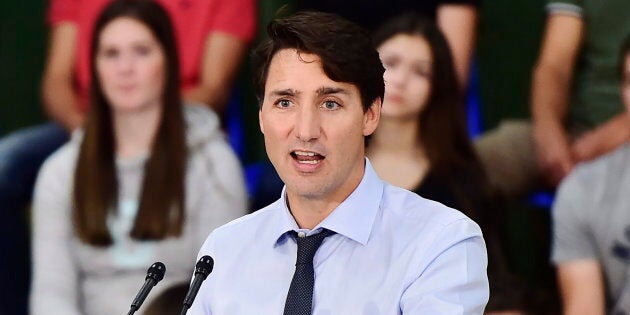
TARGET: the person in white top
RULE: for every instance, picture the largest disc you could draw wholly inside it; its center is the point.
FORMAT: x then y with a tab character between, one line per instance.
146	180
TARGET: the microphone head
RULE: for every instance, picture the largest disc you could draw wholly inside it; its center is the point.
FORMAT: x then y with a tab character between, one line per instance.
204	266
156	272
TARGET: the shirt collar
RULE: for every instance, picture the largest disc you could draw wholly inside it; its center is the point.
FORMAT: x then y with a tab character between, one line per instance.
353	218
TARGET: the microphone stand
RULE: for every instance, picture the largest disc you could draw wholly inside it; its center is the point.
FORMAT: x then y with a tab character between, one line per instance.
202	270
154	275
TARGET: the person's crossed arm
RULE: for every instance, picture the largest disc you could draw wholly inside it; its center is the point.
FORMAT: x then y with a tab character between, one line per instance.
458	22
604	139
58	94
221	59
550	95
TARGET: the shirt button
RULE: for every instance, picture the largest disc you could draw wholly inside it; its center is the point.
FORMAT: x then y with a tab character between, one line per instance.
301	234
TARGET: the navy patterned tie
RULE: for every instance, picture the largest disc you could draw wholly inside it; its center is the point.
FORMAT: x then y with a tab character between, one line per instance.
300	297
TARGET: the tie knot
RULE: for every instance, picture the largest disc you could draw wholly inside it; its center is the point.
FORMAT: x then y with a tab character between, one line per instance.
308	245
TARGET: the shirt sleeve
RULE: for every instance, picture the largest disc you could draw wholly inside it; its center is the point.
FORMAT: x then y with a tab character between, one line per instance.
565	7
55	273
235	17
62	11
455	281
572	239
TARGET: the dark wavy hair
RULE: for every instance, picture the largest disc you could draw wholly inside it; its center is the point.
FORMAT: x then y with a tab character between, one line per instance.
344	48
443	130
161	204
444	137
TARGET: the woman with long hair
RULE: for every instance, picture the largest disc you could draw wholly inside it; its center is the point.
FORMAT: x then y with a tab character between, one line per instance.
145	180
421	143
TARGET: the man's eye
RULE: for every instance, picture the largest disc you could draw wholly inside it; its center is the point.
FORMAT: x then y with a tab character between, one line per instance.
332	105
283	103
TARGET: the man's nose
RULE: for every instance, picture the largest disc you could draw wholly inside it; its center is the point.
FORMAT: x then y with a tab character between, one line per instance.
308	124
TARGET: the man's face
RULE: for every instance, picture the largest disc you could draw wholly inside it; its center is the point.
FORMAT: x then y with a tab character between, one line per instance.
314	128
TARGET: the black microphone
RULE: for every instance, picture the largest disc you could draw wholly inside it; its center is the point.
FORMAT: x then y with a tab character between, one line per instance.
202	270
154	275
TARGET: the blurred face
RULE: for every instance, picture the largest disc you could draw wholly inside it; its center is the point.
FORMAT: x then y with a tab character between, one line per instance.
130	65
314	128
407	60
625	83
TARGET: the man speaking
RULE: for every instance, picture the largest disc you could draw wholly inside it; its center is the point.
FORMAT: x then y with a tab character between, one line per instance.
339	240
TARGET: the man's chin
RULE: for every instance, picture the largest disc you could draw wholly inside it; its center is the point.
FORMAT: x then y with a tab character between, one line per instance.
305	190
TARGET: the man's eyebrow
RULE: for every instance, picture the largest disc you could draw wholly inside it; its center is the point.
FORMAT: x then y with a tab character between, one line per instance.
324	90
285	92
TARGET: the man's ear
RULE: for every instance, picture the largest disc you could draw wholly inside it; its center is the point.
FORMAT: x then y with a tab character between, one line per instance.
260	121
372	116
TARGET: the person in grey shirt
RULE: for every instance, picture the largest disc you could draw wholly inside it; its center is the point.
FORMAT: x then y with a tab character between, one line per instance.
591	220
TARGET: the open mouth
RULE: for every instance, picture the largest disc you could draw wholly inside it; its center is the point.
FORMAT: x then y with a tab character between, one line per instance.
307	157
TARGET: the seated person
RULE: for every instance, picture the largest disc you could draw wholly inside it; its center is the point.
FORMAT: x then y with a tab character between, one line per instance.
212	37
145	180
591	244
577	114
422	144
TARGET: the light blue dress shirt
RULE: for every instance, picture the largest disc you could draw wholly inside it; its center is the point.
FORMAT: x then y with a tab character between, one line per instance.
394	253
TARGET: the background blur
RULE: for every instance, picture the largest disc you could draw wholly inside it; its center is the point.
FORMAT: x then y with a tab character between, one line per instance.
508	42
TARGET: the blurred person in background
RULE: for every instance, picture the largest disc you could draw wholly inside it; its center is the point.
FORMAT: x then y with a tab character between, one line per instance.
591	218
577	111
211	38
422	144
577	115
146	179
457	19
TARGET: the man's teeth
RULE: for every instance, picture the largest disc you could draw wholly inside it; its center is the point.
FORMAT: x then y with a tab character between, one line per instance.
308	162
310	158
304	153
